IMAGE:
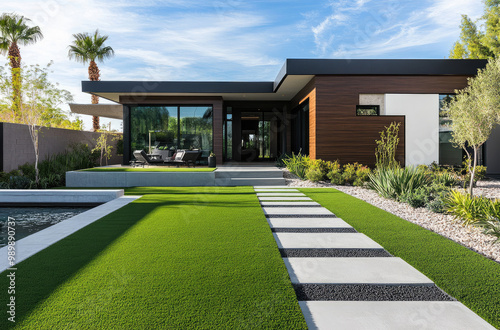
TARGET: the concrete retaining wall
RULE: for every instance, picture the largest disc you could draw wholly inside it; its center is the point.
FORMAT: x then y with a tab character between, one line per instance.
17	148
47	196
88	179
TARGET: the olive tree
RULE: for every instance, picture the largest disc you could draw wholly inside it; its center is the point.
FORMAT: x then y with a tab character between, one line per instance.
474	112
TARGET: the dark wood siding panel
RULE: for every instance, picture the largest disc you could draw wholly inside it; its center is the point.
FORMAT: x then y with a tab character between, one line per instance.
342	135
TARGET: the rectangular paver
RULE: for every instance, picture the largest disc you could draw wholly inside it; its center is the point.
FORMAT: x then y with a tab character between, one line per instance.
283	194
271	187
287	204
353	271
285	198
308	223
296	211
325	241
390	315
275	190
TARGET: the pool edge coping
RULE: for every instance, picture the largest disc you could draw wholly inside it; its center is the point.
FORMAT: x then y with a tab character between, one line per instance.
36	242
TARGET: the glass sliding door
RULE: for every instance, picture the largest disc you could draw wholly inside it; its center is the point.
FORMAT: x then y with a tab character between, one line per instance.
195	129
171	127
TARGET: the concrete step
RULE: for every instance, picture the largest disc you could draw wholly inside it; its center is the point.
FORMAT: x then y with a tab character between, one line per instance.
281	194
393	271
291	199
390	315
290	204
284	189
291	211
307	223
325	241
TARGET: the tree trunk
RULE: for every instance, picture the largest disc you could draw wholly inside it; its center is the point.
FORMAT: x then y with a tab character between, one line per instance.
94	75
15	64
473	172
34	139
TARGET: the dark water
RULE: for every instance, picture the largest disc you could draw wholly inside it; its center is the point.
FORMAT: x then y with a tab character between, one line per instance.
29	220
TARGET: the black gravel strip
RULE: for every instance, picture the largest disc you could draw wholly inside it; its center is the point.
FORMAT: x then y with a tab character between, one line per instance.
301	216
370	292
281	205
314	230
334	253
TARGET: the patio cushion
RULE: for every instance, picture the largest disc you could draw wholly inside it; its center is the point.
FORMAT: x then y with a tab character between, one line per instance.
179	155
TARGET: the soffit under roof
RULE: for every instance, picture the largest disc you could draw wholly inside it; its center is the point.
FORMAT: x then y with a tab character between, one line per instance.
290	86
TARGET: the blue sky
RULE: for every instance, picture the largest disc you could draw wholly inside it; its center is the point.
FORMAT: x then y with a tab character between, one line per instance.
235	40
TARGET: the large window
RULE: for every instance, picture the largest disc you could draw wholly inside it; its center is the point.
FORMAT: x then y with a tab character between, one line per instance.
171	127
367	110
448	155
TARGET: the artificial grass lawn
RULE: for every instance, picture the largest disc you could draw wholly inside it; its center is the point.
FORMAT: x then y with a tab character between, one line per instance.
471	278
178	258
149	169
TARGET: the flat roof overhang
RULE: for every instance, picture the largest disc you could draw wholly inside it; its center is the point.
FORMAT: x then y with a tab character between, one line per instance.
293	76
100	110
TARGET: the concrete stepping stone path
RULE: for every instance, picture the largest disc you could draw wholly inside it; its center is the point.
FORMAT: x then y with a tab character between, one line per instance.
339	273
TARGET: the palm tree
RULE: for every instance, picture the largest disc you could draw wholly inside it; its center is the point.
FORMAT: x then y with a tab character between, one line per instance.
89	48
14	31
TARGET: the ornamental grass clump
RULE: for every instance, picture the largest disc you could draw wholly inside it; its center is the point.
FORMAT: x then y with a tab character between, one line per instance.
394	183
468	208
297	164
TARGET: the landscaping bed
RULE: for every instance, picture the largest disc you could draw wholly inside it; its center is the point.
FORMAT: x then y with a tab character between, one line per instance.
465	275
443	224
177	258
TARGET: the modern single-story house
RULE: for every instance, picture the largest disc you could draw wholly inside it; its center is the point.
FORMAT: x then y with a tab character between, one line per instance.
327	108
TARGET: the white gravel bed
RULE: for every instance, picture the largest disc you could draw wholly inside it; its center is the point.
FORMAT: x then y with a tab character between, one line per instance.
443	224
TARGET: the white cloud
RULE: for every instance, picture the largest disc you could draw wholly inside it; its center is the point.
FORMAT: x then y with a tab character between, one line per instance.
161	40
374	29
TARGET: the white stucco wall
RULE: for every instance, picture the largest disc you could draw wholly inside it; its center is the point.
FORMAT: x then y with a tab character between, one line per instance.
421	113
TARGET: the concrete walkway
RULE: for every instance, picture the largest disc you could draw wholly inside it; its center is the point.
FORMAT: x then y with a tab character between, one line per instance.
345	280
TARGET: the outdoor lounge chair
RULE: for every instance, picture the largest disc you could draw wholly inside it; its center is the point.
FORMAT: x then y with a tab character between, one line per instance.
141	158
177	159
190	157
184	157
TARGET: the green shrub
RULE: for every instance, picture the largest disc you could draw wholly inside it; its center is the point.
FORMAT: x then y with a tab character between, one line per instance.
436	196
314	174
335	173
53	169
468	208
19	182
393	183
349	173
414	198
362	175
491	227
446	178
